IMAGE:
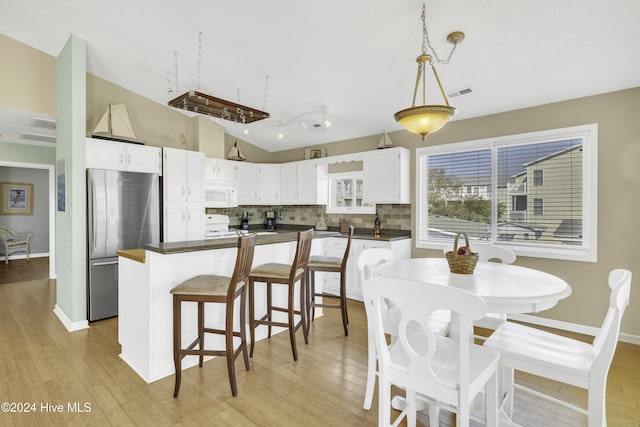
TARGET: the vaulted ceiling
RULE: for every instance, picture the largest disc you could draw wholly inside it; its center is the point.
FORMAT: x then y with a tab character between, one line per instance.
351	62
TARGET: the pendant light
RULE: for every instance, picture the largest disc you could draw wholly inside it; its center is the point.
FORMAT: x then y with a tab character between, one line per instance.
425	119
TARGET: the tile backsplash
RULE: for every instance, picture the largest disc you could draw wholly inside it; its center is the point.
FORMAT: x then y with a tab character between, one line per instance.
393	217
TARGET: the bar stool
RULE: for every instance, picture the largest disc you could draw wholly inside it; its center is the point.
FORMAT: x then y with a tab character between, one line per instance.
283	274
215	289
331	265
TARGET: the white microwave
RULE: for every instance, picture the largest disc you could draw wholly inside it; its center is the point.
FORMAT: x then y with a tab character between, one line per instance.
220	197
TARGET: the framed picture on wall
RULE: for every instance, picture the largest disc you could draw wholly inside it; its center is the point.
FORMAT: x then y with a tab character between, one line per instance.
314	153
61	184
17	198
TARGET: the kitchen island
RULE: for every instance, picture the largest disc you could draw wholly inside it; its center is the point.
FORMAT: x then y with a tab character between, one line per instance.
145	305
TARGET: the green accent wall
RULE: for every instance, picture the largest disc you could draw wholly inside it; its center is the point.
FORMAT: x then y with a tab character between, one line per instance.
71	251
24	153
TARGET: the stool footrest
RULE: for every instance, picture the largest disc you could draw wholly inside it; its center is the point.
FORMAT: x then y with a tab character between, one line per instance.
317	304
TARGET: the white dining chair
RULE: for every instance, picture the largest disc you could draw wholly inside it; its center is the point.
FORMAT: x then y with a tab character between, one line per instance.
564	359
444	371
440	320
366	263
491	253
494	254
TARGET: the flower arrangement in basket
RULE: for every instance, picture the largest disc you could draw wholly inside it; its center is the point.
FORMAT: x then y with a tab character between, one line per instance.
462	260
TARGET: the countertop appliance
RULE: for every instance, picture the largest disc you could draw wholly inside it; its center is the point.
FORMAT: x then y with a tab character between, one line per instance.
244	221
123	212
270	220
216	226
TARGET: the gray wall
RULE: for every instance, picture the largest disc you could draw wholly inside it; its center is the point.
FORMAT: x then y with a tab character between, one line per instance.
38	223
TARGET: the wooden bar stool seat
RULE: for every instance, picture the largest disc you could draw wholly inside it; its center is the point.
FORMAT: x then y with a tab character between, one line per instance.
330	265
287	275
221	290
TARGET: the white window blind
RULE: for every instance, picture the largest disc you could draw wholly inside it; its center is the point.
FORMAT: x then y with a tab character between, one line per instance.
535	193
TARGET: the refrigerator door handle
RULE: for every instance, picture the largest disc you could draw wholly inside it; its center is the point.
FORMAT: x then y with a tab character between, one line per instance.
93	214
105	263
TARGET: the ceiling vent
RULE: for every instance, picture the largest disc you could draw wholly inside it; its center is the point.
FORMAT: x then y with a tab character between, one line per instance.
459	92
42	123
38	137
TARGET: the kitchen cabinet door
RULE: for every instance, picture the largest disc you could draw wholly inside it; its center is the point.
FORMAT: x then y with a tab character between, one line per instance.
183	175
219	172
268	184
183	222
289	183
174	224
102	154
194	171
303	183
144	159
386	176
175	175
247	183
227	172
312	183
194	223
113	155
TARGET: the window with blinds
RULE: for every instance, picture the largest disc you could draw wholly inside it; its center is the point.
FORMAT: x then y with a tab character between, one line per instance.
535	193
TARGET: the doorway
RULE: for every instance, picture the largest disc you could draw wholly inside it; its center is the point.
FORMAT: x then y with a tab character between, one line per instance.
51	205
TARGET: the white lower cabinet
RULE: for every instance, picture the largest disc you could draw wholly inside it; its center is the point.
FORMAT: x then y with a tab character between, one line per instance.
335	247
183	223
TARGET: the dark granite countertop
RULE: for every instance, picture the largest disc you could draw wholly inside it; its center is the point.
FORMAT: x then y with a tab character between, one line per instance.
280	236
283	233
358	233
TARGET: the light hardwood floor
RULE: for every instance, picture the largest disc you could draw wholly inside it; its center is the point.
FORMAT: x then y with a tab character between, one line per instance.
40	363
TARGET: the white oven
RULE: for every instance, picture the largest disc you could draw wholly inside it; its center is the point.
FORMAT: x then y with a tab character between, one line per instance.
217	226
220	197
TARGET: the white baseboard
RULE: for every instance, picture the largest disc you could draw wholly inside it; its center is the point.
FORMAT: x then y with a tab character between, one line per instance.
24	256
71	326
571	327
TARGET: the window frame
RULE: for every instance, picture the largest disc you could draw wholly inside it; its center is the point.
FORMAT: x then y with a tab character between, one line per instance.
587	252
538	178
331	209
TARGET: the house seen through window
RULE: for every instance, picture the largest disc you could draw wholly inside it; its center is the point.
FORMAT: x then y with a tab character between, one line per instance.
535	193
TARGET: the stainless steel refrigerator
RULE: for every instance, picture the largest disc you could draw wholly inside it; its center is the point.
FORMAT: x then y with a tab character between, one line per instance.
123	212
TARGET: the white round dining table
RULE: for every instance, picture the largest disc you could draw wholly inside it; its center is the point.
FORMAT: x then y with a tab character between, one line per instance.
506	288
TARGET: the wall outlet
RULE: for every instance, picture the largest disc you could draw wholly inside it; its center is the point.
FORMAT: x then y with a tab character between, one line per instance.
280	217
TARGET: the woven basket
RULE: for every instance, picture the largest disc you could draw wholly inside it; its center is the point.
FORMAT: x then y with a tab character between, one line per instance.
461	264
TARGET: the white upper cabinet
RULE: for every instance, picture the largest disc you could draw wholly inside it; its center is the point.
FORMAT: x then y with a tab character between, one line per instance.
247	183
268	184
303	183
386	176
183	175
219	172
113	155
288	183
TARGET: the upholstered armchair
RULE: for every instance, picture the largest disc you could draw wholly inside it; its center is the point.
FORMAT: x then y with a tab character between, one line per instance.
11	242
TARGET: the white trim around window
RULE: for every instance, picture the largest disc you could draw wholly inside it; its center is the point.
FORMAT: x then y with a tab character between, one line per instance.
476	171
346	194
